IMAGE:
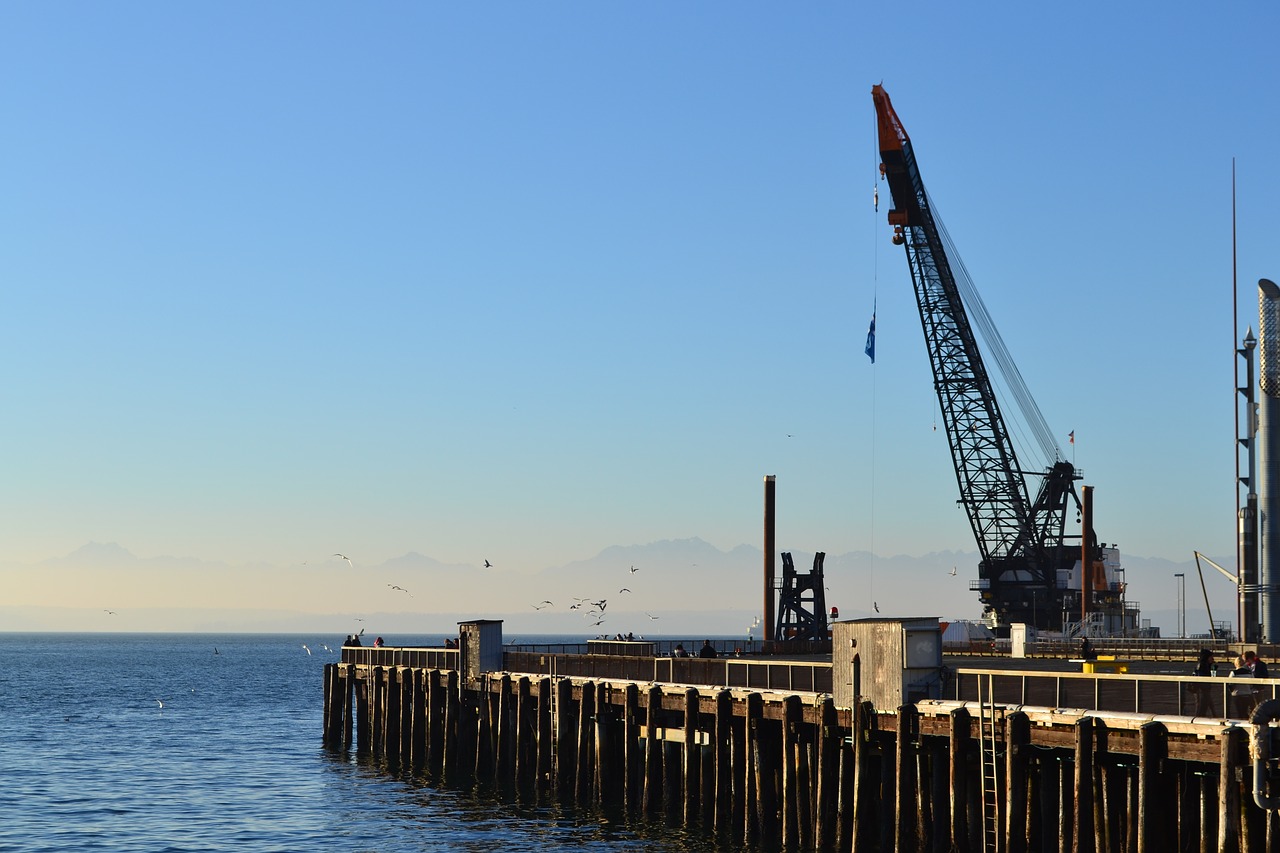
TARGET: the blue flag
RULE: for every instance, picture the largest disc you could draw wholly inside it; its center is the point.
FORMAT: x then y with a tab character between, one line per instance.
871	338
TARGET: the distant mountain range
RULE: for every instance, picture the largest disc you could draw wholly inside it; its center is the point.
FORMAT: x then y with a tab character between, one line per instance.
684	586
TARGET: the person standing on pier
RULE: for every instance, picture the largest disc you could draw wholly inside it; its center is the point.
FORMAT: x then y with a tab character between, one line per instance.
1205	668
707	650
1241	696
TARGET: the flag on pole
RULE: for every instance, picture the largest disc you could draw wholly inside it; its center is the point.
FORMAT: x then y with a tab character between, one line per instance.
1071	437
871	337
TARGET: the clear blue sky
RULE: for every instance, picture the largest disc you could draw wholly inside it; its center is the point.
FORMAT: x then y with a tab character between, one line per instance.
523	281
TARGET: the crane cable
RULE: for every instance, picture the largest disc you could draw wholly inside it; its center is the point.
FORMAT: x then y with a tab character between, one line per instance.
1007	370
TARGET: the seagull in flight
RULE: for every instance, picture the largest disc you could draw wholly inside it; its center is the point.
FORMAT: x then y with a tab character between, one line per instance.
402	589
624	589
953	571
876	606
307	650
488	565
651	616
541	605
634	570
348	559
160	703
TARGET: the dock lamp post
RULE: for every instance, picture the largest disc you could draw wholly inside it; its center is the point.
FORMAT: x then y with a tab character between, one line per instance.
1182	604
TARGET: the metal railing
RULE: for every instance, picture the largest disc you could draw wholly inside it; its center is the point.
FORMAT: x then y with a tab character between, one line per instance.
756	674
1156	695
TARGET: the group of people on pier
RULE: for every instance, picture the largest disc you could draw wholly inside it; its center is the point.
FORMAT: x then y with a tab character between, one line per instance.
1243	697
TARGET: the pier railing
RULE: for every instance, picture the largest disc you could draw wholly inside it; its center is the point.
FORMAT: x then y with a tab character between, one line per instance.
756	674
1155	695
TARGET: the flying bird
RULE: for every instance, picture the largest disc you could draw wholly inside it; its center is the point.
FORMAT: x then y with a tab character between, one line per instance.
307	650
634	570
541	606
651	616
158	702
876	606
402	589
953	571
488	565
348	559
624	589
109	612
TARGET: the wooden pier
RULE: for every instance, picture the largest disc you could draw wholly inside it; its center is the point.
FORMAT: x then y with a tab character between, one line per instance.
788	769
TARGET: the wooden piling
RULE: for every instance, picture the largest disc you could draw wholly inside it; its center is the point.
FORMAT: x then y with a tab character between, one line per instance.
546	749
1151	798
586	726
565	760
632	763
1228	793
722	751
1082	830
1017	733
790	784
605	770
524	728
691	753
652	750
435	720
766	796
959	779
904	828
828	777
451	727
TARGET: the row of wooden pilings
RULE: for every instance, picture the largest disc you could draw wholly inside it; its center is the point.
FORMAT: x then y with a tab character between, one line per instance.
796	773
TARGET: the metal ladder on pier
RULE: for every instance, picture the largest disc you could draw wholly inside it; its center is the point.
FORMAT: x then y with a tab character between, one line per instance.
992	797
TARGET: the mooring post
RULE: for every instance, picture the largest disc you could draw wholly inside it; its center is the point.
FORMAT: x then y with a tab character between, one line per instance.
752	712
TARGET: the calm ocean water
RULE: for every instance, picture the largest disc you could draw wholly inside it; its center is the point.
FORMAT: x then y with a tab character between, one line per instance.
156	743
